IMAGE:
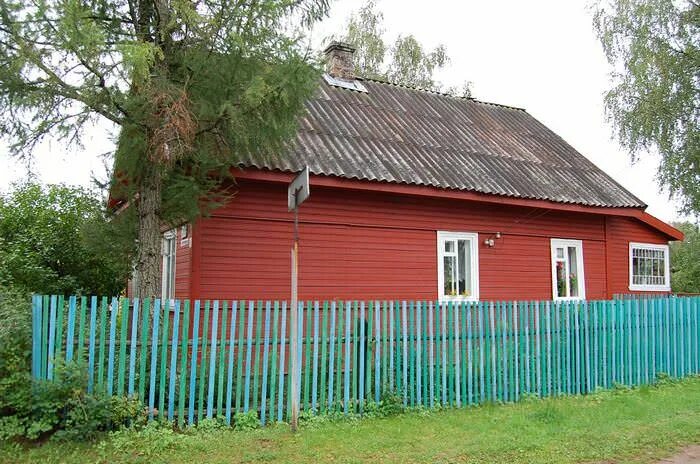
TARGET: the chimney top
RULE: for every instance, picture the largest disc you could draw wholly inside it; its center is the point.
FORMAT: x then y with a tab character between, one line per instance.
341	64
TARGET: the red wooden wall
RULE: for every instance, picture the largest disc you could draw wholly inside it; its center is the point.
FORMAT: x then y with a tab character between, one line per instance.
364	245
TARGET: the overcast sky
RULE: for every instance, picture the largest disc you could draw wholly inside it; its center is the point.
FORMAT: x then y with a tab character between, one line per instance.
539	55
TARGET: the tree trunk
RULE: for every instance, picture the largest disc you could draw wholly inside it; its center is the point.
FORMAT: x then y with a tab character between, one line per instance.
148	254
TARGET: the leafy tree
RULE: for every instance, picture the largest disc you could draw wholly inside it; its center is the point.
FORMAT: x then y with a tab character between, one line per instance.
405	61
654	48
685	260
190	86
49	244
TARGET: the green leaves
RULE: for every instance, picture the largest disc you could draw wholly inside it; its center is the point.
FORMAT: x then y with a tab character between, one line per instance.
49	242
654	49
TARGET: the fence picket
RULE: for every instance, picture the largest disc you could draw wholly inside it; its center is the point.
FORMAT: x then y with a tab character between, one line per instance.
173	358
70	336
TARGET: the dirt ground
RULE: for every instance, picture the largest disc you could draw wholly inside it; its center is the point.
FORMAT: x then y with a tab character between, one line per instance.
690	455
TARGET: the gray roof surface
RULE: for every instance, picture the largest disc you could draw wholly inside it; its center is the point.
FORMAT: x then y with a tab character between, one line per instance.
403	135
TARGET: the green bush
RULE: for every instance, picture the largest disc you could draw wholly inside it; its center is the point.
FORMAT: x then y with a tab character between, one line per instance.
247	420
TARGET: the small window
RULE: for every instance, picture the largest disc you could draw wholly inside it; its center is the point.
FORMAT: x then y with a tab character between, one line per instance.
649	267
168	271
458	266
568	281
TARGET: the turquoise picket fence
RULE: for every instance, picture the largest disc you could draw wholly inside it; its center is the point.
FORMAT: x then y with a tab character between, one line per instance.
189	360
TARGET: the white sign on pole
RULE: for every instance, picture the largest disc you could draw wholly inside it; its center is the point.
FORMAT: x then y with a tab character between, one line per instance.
298	190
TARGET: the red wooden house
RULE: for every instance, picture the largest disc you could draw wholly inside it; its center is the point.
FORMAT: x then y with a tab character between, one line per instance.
420	195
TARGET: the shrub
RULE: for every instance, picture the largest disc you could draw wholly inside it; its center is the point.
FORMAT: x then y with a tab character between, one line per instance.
247	420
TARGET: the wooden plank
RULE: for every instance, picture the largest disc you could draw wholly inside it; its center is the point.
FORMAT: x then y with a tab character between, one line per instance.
173	359
184	348
222	359
81	327
273	363
456	358
306	339
133	346
92	340
248	357
212	359
203	364
323	405
377	351
194	363
392	348
315	361
385	347
52	338
154	359
346	372
231	350
36	337
482	353
103	343
431	347
58	348
355	354
256	366
240	354
145	331
450	354
331	359
122	345
70	335
45	316
112	345
339	353
469	354
362	374
417	337
411	385
404	347
167	309
283	349
266	357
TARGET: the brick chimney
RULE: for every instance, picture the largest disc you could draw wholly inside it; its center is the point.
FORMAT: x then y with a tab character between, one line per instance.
340	62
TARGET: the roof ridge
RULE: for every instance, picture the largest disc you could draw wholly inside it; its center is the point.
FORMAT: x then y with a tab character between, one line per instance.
437	92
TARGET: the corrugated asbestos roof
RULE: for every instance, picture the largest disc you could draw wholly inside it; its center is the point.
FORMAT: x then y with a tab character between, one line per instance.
399	134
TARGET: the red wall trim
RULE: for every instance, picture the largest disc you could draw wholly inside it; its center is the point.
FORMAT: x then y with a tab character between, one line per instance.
428	191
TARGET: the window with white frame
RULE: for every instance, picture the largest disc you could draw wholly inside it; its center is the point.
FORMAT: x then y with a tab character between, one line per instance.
568	281
168	270
458	266
649	267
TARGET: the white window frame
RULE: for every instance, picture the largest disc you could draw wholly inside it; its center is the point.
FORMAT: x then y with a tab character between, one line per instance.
666	287
565	243
169	252
474	251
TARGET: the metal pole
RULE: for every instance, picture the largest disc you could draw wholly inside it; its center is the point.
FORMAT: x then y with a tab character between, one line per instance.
293	327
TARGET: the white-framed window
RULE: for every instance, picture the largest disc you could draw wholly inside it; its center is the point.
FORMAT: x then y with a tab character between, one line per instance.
458	266
168	270
649	267
568	282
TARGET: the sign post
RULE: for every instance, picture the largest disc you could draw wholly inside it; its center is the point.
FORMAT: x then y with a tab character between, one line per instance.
297	192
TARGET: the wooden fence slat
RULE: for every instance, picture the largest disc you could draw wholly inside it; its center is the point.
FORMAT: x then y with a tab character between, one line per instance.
114	308
248	357
70	335
124	315
154	358
133	346
167	309
81	328
212	359
204	344
173	358
346	372
145	330
273	362
315	361
377	351
231	349
283	349
323	406
240	354
193	363
361	394
256	365
305	338
58	348
184	348
222	359
331	353
52	338
266	354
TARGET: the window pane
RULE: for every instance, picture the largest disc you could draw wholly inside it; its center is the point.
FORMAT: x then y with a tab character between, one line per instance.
465	264
648	266
449	246
573	272
450	288
560	253
561	279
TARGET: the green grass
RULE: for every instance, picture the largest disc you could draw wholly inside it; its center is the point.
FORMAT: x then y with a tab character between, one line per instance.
637	426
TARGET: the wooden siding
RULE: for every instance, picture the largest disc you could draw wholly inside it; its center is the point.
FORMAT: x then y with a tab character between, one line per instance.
183	265
360	245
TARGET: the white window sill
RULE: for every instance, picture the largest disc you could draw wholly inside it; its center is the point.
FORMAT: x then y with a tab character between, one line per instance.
650	288
569	298
457	299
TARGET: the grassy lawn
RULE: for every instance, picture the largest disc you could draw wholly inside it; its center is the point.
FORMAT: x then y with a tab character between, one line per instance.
620	426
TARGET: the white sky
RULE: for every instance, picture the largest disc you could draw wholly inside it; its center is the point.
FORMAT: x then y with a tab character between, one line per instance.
539	55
